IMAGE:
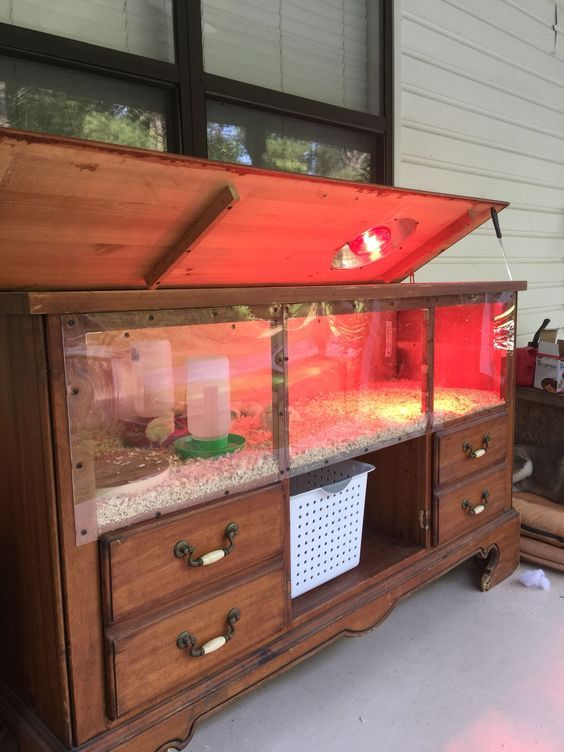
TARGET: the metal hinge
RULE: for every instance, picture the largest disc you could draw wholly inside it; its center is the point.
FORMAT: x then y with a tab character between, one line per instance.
425	519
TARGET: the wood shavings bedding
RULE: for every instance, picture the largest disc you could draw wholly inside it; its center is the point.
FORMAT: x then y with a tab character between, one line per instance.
331	426
335	425
454	403
191	482
197	480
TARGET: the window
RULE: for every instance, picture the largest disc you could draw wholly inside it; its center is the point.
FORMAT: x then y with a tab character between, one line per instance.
273	83
319	50
69	103
142	27
249	136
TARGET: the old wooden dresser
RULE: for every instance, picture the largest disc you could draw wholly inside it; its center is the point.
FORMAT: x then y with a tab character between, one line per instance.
180	341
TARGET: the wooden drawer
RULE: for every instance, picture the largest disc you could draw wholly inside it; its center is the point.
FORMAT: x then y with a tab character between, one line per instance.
145	663
465	506
140	569
454	449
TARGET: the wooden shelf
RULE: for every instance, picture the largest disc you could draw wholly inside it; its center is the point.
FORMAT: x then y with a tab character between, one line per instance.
539	395
380	557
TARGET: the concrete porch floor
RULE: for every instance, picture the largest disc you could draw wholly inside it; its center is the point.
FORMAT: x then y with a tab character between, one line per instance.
451	670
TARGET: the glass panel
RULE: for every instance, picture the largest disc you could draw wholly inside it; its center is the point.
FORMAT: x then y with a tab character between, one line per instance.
142	27
168	414
472	345
67	103
249	136
355	380
318	50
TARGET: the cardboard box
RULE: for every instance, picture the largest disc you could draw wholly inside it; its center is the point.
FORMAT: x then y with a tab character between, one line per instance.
549	368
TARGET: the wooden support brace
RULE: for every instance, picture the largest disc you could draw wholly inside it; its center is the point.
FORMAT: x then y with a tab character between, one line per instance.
197	231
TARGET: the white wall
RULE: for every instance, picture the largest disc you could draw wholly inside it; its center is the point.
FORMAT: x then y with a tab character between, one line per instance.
480	111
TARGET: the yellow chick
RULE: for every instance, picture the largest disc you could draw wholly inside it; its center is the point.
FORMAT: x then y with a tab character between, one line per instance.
160	428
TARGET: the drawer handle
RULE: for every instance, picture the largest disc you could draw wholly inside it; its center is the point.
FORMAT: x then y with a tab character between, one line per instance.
183	548
475	453
186	640
479	508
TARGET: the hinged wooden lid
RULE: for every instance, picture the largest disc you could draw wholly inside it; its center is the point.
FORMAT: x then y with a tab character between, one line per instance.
78	215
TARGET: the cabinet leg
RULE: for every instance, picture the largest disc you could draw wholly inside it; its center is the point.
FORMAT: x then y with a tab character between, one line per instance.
500	559
492	560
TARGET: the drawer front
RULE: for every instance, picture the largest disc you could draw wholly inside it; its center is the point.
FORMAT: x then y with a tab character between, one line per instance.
153	660
148	565
466	506
475	446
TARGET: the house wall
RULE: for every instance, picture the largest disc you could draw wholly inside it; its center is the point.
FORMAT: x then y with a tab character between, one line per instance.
480	111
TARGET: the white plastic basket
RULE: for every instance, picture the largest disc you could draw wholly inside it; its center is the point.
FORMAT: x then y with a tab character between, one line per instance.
326	513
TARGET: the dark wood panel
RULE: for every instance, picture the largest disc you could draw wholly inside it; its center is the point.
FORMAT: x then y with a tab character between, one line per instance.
132	300
29	732
395	493
81	579
140	568
32	647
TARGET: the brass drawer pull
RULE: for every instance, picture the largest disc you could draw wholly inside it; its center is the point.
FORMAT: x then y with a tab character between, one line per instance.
186	640
475	453
479	508
183	548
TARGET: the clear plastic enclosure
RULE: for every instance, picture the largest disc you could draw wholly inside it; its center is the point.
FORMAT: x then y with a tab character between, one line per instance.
357	379
167	409
472	344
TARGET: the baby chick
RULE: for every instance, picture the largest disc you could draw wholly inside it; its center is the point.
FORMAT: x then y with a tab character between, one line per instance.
159	429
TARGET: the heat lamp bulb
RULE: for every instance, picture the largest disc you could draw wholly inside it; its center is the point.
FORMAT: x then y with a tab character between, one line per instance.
370	245
374	244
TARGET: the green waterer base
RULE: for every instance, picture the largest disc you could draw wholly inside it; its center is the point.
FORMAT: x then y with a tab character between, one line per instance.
187	447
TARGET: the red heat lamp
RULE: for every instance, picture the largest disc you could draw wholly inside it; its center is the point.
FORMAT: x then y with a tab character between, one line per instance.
370	245
373	244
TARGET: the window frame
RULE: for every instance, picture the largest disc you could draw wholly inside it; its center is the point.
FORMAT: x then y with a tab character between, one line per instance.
190	86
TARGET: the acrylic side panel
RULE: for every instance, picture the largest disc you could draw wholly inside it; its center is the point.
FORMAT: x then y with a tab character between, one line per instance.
356	379
472	344
168	409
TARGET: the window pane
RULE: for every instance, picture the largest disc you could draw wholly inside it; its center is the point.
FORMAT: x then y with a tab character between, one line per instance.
248	136
326	50
142	27
67	103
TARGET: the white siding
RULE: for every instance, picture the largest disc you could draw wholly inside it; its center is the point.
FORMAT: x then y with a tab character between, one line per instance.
480	111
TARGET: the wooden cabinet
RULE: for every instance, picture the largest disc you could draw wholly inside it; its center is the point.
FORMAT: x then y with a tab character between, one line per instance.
130	608
154	623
